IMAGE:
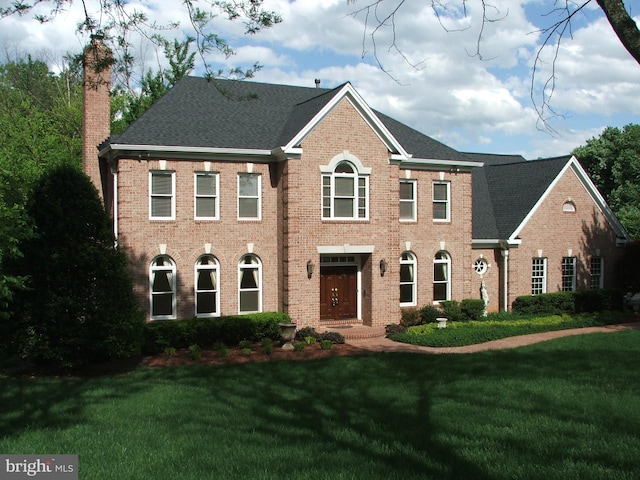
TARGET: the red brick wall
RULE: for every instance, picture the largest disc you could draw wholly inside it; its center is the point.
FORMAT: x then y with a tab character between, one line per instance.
558	234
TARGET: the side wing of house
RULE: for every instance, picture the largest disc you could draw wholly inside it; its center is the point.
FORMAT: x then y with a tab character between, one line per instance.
554	231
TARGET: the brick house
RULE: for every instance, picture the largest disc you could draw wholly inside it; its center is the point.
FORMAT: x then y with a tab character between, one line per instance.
235	197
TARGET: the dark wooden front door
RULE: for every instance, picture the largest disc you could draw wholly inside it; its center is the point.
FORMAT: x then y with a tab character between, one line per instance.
338	292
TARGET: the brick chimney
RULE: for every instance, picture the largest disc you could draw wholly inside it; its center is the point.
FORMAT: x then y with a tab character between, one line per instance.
96	116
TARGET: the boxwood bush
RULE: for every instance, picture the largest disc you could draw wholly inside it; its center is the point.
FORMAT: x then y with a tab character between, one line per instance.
580	301
206	332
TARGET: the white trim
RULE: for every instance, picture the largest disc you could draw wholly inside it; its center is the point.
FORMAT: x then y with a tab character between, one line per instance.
447	202
258	265
413	262
351	95
173	194
216	197
215	267
593	192
344	249
414	201
258	198
174	291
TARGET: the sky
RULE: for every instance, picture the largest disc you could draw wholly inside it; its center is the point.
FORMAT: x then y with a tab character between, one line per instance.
432	81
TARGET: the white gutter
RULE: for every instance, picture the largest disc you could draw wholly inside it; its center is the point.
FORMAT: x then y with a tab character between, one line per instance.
505	279
115	206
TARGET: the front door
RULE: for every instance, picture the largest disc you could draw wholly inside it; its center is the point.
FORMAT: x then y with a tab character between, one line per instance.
338	292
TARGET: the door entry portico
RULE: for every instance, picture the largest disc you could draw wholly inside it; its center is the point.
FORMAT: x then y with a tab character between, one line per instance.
338	292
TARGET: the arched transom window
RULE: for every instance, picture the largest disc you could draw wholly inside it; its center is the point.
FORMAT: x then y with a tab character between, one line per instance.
345	193
250	284
441	277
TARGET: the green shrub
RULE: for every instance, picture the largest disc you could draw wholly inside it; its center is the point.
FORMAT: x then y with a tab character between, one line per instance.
394	328
429	313
555	303
304	332
246	352
170	351
195	351
333	337
452	310
326	344
410	317
310	340
472	309
221	349
78	306
245	344
299	346
207	332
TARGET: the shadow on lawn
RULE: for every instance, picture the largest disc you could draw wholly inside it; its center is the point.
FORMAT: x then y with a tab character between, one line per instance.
377	416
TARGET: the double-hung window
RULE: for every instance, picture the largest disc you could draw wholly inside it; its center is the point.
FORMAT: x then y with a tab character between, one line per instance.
568	274
249	196
441	277
597	279
206	188
407	279
441	201
162	195
250	284
162	279
408	200
207	281
538	275
345	193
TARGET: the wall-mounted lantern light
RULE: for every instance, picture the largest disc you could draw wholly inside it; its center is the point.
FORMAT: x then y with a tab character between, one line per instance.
310	267
383	267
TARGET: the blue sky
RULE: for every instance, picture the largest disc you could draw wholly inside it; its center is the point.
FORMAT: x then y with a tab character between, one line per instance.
469	104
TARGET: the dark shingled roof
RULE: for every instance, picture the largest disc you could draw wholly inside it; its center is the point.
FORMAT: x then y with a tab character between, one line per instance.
250	115
247	115
507	189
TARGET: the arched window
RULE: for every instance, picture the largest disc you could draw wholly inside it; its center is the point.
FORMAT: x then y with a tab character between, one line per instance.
206	286
441	277
249	284
162	279
345	193
408	279
569	207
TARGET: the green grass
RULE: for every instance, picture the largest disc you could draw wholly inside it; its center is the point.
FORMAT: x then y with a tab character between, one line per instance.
458	334
563	409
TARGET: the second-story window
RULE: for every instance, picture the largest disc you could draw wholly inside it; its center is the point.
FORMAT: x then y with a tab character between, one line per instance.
206	196
408	200
441	201
249	196
162	198
345	193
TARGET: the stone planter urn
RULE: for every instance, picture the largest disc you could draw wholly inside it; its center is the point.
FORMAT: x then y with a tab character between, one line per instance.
287	335
442	322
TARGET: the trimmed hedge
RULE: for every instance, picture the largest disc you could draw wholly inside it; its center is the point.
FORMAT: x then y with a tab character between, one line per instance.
206	332
557	303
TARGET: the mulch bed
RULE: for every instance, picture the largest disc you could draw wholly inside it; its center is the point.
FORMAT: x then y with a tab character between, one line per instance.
182	357
235	356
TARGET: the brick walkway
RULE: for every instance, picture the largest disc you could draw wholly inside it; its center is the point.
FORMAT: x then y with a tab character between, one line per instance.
372	338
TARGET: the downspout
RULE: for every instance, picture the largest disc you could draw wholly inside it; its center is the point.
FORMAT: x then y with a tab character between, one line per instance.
115	205
505	278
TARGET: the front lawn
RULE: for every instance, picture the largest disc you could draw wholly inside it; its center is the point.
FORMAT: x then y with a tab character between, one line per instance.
564	409
458	334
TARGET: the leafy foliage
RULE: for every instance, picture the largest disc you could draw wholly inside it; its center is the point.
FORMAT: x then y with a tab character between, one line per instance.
78	306
613	163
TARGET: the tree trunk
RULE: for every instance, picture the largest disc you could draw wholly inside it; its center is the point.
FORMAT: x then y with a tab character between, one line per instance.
624	26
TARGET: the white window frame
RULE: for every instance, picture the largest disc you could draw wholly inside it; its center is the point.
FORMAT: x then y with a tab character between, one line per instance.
408	259
154	269
598	275
437	263
538	275
413	201
153	195
257	197
215	196
360	194
568	274
446	202
242	267
212	269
